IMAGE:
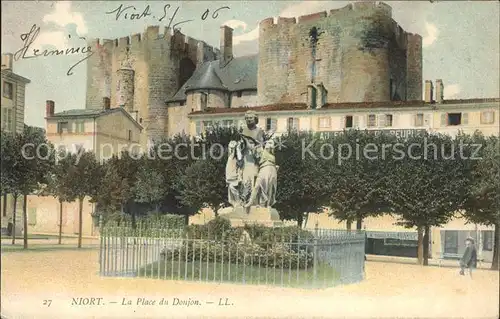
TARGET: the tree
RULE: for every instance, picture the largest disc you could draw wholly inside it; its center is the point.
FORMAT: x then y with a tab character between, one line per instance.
481	206
34	166
10	160
203	185
302	175
115	193
356	180
26	161
83	178
57	186
149	186
203	182
426	185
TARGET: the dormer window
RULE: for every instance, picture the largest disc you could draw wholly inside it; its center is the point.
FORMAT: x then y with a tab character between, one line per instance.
203	100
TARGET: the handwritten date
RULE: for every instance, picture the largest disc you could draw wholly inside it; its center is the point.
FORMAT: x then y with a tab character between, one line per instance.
132	13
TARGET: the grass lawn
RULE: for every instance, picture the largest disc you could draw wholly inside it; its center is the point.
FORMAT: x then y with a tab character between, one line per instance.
237	273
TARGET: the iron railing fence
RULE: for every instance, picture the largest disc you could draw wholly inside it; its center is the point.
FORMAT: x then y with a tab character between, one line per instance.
286	256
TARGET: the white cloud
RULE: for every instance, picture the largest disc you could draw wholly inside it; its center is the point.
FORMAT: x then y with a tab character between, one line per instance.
295	10
57	39
307	7
451	91
248	36
236	24
62	16
431	36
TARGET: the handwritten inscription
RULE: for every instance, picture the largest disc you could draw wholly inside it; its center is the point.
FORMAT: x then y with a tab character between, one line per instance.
27	52
130	13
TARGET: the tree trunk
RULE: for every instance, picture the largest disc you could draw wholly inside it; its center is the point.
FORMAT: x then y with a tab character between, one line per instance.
359	222
25	221
4	208
80	221
60	221
300	219
14	220
496	243
349	224
420	251
426	245
306	219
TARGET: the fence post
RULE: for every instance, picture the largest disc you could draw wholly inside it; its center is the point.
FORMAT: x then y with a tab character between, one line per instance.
101	246
315	253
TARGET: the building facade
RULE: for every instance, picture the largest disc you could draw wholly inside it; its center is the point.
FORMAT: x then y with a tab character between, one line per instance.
13	96
104	131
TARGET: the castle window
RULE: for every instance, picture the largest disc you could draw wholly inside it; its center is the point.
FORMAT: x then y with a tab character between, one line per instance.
324	122
487	240
207	125
349	123
454	119
372	120
203	100
419	119
129	135
198	128
227	123
63	127
80	127
8	90
7	119
239	93
271	124
292	124
181	103
487	117
388	120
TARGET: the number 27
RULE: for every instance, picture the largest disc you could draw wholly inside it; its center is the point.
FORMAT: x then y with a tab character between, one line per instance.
47	302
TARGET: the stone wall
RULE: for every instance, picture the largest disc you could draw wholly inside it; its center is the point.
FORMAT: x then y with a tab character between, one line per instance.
359	50
161	61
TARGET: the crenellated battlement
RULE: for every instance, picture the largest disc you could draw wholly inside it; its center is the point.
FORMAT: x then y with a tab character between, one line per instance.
177	40
370	7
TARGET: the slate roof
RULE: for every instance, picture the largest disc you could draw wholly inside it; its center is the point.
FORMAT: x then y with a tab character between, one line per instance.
348	106
91	113
11	75
239	74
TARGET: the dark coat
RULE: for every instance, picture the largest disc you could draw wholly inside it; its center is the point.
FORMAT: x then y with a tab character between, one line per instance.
469	259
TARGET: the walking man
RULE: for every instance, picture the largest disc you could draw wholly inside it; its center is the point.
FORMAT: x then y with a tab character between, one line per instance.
469	259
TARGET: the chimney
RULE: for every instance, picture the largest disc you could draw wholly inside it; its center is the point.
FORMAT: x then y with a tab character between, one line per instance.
322	95
106	103
49	108
439	91
226	44
429	89
311	96
7	59
200	53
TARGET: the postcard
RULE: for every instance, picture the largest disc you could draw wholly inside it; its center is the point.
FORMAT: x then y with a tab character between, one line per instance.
250	159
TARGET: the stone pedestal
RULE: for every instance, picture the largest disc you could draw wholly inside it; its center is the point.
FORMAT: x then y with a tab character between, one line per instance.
239	216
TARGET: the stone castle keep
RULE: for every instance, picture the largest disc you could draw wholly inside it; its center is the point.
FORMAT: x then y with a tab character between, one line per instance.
354	54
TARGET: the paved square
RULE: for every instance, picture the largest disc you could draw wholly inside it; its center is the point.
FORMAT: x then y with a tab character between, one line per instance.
390	290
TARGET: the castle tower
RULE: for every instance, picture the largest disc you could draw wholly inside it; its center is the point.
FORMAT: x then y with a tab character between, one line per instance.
143	70
125	87
358	52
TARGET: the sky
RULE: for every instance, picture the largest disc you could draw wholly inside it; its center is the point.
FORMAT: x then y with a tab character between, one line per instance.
460	39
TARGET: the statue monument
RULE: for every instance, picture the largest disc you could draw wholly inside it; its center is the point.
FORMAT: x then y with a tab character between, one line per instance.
251	177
